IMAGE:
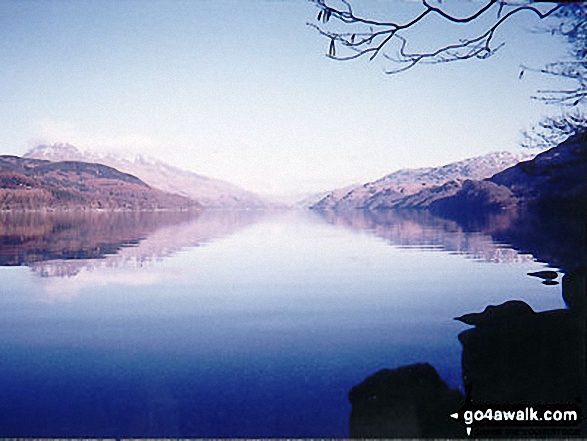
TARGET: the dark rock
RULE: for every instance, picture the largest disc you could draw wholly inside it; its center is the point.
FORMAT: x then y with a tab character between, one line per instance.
544	274
575	290
410	401
515	355
496	315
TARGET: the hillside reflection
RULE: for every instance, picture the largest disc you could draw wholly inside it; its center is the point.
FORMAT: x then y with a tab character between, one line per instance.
62	244
421	229
512	355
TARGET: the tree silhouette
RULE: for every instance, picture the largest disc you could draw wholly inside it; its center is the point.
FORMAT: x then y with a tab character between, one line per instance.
551	131
353	36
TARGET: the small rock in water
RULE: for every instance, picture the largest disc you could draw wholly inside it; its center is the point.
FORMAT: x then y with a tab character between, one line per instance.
546	275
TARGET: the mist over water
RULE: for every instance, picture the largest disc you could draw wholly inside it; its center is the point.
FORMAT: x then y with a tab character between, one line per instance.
247	324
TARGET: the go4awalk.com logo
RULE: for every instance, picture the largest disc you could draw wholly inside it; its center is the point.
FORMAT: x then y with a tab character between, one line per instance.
537	420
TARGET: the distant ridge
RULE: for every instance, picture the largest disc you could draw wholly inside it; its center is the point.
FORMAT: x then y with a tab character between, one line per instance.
417	188
33	184
211	193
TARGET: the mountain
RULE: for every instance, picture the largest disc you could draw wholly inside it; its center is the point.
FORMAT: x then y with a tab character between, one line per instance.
33	184
211	193
305	200
558	175
417	188
554	180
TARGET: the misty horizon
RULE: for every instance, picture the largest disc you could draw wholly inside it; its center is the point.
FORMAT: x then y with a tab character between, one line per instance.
244	92
524	154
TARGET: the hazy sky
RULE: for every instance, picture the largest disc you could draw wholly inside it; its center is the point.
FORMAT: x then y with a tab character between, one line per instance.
241	90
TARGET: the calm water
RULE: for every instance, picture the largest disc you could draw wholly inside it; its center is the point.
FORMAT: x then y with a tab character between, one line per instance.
232	324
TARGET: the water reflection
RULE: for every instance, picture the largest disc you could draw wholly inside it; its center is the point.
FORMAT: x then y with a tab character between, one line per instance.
555	238
421	229
72	251
512	355
61	244
260	334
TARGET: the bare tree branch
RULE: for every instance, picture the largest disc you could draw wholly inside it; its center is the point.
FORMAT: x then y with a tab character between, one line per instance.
370	38
378	37
572	27
551	131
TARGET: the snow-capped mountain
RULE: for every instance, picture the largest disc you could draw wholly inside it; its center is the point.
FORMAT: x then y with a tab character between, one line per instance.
36	184
390	190
211	193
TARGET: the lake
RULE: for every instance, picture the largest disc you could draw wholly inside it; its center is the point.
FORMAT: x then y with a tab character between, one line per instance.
233	324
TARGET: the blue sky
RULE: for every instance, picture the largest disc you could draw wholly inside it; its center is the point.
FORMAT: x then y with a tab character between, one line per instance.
242	90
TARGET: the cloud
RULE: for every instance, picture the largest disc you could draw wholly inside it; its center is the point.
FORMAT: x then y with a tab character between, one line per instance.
77	277
50	131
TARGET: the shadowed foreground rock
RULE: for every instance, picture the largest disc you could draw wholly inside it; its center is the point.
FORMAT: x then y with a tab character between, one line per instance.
512	356
515	355
410	401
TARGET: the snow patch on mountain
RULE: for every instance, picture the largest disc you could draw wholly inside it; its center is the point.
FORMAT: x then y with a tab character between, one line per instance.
388	191
210	192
